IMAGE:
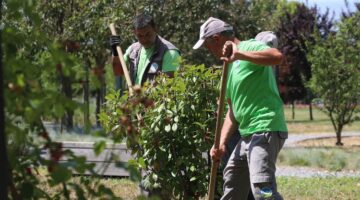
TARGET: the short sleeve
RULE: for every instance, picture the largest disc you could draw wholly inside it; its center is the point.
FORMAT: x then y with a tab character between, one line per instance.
171	61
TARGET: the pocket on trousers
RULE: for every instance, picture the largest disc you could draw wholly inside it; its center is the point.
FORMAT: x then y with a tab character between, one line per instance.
283	135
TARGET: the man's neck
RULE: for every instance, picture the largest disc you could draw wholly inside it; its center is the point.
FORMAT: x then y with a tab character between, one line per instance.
149	47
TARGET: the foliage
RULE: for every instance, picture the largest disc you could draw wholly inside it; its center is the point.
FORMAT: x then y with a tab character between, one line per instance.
48	43
179	130
81	29
182	28
175	132
336	73
295	30
29	53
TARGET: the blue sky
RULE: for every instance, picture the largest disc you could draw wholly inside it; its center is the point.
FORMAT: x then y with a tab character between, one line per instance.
334	5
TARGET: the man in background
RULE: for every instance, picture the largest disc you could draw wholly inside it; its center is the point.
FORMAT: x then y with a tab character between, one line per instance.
148	57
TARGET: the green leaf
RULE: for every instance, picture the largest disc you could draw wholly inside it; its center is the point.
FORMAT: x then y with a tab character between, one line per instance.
168	128
176	119
60	174
174	127
99	147
141	162
155	176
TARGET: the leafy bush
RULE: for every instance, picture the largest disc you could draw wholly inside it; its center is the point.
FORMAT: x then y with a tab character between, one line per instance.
30	56
175	132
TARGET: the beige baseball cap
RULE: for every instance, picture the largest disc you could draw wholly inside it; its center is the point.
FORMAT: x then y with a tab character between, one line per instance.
209	28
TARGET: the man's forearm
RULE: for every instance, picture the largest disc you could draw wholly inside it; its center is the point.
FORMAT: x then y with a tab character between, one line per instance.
229	127
266	57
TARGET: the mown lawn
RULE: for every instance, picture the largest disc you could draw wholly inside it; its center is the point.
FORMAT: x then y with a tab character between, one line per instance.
291	188
330	188
329	158
321	123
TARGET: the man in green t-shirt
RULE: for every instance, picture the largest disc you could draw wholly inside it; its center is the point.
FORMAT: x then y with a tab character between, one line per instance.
255	109
148	57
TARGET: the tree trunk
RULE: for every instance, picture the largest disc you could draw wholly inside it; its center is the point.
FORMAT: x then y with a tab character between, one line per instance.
98	106
67	120
4	166
311	111
338	136
100	93
86	98
293	109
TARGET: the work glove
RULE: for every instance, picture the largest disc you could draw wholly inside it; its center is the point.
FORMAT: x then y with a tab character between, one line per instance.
114	42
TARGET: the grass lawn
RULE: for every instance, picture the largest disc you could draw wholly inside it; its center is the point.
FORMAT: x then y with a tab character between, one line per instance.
291	188
330	188
297	188
329	158
321	123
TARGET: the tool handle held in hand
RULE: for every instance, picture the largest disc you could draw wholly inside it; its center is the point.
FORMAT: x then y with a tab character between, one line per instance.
122	61
219	120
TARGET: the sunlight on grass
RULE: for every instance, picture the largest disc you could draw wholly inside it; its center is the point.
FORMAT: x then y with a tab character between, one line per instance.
319	188
121	187
320	124
333	159
291	188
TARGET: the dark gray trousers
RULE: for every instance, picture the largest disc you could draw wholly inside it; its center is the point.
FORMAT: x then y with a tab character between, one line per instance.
253	161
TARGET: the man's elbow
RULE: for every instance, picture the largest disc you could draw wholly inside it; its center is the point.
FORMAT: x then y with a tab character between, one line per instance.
278	57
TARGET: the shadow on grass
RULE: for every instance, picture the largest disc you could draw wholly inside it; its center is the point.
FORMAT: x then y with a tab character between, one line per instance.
308	121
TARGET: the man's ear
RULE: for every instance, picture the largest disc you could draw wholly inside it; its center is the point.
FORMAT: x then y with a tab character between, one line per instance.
216	37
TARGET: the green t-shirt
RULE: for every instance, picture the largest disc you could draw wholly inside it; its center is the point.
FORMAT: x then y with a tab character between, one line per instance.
254	96
170	63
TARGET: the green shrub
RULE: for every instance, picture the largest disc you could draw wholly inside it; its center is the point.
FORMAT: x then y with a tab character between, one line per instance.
175	131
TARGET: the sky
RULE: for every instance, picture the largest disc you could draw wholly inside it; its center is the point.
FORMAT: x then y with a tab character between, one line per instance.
334	5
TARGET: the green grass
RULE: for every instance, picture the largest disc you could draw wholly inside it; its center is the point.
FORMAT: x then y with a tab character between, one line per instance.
329	188
321	123
333	159
303	188
291	188
123	188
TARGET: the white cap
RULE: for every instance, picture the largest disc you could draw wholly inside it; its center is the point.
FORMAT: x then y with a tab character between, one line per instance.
211	27
268	37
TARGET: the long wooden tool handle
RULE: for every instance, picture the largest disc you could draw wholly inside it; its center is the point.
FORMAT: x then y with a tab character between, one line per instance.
219	120
122	61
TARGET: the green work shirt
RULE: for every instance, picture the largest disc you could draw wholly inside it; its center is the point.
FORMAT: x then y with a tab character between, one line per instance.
170	63
254	96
